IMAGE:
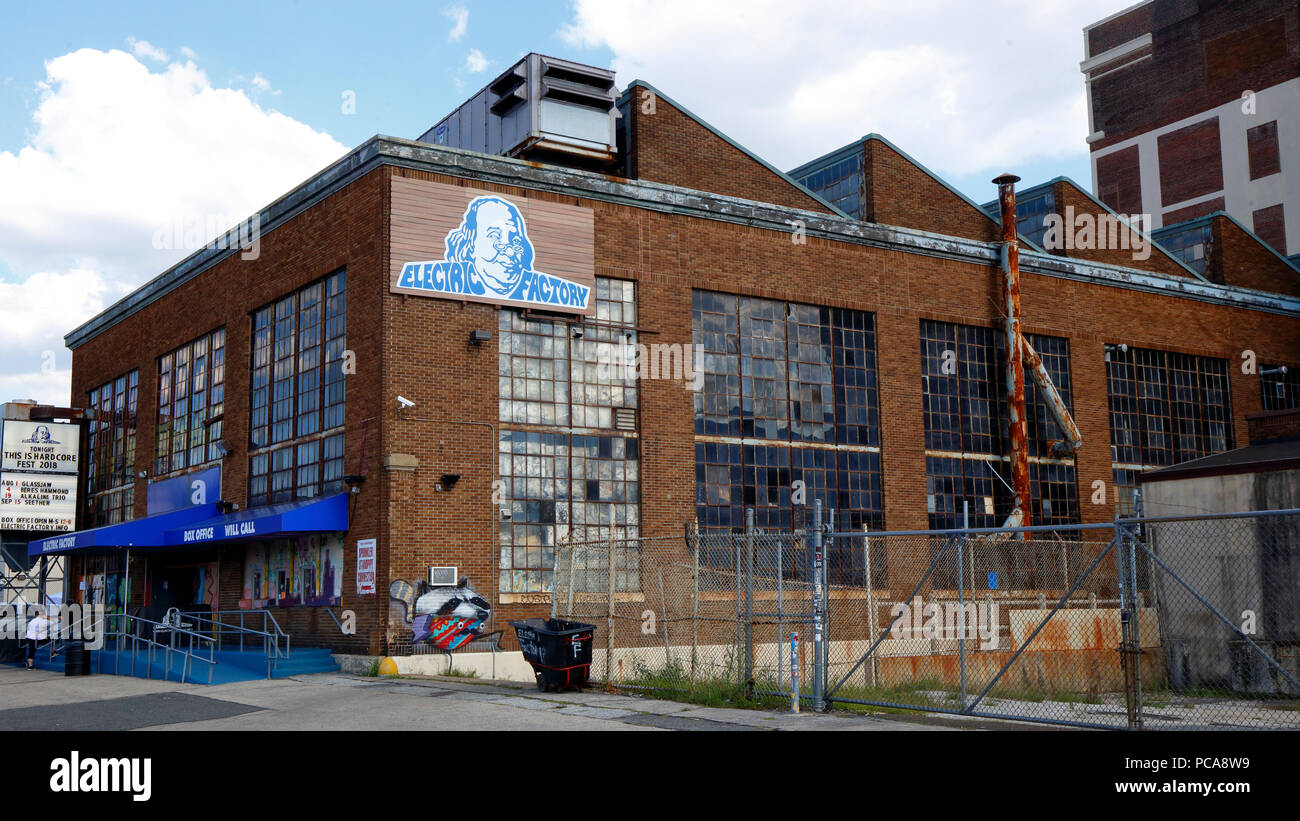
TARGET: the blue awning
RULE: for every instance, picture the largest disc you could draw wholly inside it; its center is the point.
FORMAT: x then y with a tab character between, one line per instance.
145	532
326	515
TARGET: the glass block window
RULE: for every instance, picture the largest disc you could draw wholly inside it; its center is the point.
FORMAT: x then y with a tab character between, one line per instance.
110	453
191	403
566	488
297	395
1166	408
1278	390
966	428
575	479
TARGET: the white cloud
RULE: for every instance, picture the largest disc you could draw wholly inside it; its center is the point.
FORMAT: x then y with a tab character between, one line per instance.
188	53
117	154
143	48
459	17
262	84
965	87
475	62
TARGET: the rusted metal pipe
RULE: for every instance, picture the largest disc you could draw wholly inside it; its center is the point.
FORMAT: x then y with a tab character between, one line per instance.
1018	428
1072	439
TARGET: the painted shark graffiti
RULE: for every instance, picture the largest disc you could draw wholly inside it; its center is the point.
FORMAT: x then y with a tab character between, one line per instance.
446	617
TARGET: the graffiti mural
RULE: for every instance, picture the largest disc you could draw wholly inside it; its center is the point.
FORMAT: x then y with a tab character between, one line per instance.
446	617
294	572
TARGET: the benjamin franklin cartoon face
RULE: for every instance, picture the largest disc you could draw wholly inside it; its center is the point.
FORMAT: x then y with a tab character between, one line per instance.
498	246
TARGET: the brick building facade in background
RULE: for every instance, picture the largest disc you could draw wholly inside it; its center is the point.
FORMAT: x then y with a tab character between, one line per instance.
824	321
1194	108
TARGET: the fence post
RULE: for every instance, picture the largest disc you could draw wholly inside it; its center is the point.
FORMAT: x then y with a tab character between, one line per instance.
1125	620
961	601
609	621
663	619
871	603
749	603
819	639
695	603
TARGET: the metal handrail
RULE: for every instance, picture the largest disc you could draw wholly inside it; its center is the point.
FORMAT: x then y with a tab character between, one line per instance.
123	633
271	639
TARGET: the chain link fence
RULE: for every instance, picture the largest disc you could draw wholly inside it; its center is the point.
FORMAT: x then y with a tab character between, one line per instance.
1163	623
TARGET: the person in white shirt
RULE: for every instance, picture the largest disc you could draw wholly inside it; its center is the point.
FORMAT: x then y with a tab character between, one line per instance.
38	630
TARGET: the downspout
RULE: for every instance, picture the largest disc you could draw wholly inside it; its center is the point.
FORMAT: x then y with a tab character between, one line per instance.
1018	429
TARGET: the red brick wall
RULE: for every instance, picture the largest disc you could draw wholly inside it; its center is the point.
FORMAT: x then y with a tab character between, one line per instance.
342	231
1158	260
1191	212
1119	181
1261	147
419	347
671	147
1243	261
900	193
1269	224
1191	163
1202	58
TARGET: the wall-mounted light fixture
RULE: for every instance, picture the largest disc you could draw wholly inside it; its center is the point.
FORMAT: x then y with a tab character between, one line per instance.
1122	348
224	507
354	481
447	481
221	449
479	337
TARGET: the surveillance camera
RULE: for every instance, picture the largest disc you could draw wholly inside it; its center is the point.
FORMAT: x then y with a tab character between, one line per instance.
403	402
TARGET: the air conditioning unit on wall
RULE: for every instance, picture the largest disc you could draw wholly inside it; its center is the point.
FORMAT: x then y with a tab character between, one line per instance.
443	576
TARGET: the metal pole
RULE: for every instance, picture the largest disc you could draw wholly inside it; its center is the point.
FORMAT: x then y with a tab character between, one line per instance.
695	605
794	672
1018	430
780	608
609	621
961	583
871	602
819	640
749	603
663	618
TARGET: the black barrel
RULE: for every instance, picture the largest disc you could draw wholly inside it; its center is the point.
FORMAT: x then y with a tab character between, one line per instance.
76	659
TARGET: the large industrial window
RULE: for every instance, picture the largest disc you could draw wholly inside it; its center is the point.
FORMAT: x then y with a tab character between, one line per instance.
110	454
788	412
1279	388
966	437
1165	408
297	394
191	402
576	480
1031	217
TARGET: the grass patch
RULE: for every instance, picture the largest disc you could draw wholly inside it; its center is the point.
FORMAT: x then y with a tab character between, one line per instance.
372	669
456	672
673	682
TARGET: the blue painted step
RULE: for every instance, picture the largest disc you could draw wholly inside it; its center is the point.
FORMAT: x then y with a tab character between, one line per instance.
231	665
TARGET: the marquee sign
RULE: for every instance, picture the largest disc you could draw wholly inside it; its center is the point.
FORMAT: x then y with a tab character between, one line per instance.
29	501
40	447
456	243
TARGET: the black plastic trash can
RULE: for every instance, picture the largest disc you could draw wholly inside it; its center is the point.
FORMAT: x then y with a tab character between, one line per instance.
558	650
76	659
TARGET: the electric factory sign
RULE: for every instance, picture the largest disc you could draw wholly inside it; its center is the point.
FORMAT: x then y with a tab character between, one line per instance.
456	243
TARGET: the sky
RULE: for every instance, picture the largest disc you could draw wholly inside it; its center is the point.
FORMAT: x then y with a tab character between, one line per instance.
131	134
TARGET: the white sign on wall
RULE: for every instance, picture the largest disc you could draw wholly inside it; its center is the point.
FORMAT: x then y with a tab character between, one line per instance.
366	567
30	501
40	447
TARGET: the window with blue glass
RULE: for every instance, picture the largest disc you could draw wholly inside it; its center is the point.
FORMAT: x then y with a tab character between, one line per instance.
1192	246
839	183
1031	216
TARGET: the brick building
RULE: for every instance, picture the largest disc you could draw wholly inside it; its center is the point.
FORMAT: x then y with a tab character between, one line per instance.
823	326
1194	108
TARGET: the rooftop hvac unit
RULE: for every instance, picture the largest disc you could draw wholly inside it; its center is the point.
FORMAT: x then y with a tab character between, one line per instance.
540	107
442	577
